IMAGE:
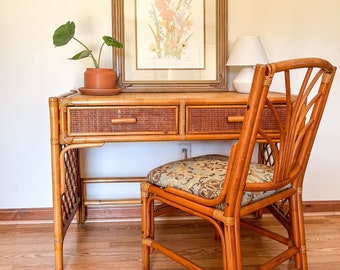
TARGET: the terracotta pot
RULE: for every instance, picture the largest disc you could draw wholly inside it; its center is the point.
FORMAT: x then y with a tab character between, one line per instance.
99	78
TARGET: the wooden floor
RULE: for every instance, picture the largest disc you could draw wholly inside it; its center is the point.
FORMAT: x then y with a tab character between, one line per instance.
116	245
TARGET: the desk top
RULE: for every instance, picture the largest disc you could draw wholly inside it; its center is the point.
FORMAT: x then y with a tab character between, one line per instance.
74	98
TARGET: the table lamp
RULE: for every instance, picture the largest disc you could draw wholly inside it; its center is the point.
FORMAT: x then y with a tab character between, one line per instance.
247	52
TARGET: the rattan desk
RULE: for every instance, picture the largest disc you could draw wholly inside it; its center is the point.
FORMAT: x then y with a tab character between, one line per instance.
78	121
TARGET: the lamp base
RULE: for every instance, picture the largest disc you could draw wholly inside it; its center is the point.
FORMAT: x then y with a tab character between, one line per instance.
243	80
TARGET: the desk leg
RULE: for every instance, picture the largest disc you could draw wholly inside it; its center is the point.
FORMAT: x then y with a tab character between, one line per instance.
66	194
56	186
58	227
58	252
57	209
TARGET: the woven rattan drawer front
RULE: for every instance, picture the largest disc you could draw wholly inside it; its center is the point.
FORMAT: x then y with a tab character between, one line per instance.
127	120
223	119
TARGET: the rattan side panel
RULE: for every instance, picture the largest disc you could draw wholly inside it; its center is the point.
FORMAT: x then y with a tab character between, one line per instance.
214	119
149	120
71	197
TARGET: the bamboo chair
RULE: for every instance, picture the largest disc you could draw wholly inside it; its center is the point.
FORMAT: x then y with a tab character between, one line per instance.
223	190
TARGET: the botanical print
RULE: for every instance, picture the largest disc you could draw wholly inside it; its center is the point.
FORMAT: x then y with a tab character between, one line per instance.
171	27
170	34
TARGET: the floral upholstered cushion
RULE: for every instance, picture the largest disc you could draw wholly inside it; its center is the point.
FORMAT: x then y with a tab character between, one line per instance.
204	176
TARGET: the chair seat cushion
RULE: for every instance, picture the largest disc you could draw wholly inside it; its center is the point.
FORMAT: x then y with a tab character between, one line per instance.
204	177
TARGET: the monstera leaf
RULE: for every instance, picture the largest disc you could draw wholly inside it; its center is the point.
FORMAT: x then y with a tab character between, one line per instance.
63	34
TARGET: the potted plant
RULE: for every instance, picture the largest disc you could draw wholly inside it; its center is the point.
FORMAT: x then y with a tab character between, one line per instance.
99	81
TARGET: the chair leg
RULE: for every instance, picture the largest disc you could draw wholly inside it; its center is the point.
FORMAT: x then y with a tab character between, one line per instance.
238	243
298	228
230	244
146	225
302	235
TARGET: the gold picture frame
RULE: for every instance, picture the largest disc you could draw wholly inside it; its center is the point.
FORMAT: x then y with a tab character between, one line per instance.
170	46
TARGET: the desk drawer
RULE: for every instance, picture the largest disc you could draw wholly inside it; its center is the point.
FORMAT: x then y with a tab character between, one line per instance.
224	119
129	120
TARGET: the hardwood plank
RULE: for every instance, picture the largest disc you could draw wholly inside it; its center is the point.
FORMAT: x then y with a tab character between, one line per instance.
116	245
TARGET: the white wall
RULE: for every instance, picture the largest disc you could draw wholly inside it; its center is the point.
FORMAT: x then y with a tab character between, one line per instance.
31	70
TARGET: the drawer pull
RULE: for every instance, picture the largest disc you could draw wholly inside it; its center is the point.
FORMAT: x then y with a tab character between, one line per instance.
235	119
124	121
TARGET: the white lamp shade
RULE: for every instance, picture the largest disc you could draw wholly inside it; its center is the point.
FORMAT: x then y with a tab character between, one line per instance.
247	51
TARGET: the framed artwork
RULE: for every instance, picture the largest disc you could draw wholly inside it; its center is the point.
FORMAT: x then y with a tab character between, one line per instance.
170	45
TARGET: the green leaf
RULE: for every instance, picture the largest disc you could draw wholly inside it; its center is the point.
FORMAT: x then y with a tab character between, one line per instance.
110	41
63	34
82	54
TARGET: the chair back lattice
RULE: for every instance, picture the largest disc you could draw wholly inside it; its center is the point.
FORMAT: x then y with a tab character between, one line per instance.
306	83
